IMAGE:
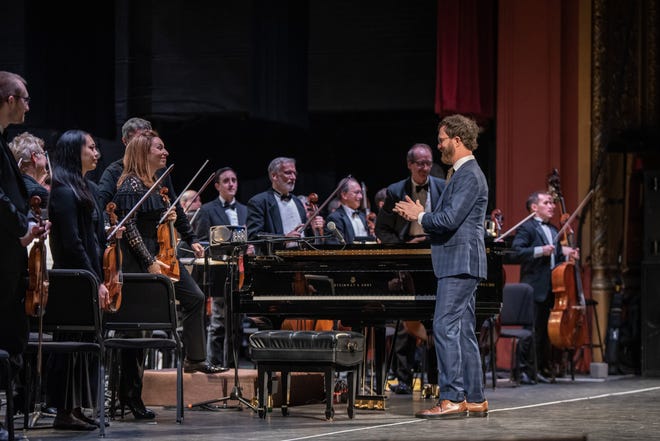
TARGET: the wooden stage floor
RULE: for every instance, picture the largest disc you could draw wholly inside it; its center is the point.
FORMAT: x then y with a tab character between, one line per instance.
616	408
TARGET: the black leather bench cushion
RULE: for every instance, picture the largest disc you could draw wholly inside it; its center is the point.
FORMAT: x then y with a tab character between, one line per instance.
343	348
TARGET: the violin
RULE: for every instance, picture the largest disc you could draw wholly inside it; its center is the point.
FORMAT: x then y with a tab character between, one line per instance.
113	278
567	315
36	295
167	243
312	209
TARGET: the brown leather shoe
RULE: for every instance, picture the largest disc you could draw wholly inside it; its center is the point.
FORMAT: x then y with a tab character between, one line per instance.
478	409
446	409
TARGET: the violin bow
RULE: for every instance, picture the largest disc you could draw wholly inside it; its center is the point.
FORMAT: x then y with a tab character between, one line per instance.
140	202
329	198
176	201
198	192
572	217
512	229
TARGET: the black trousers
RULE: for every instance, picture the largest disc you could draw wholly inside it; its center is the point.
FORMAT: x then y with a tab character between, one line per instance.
191	299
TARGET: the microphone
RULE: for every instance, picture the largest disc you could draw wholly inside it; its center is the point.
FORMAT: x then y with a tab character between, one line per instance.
335	232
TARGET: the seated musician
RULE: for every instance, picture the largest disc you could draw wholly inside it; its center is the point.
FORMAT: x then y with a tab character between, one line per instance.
394	229
277	211
349	220
223	210
191	202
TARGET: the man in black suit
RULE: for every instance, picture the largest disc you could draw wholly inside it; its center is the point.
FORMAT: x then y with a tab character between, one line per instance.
224	210
277	211
16	230
394	229
534	249
348	219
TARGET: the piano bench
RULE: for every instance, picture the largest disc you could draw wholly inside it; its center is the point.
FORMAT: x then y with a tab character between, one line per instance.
306	351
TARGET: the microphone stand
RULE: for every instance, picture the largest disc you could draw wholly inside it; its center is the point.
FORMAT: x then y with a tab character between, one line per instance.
231	334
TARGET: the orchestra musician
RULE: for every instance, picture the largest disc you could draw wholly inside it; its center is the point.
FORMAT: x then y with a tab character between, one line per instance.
224	210
191	202
276	210
393	229
77	241
349	220
458	254
16	230
145	154
533	248
29	152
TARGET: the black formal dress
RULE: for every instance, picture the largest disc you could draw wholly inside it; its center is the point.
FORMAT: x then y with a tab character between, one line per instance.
139	247
77	240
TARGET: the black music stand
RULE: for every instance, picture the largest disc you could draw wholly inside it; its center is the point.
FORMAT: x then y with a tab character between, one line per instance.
232	321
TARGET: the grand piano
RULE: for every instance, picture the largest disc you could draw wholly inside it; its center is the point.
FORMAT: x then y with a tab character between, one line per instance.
367	285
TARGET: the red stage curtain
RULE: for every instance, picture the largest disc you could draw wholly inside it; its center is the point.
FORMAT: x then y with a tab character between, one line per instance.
465	74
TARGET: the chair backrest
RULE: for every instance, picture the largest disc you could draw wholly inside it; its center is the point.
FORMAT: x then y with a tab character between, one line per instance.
517	305
72	302
147	303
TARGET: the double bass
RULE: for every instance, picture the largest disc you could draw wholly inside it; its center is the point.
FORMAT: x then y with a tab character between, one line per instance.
567	316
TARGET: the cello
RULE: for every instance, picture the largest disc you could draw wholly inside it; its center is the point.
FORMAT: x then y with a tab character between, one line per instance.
167	243
567	315
113	277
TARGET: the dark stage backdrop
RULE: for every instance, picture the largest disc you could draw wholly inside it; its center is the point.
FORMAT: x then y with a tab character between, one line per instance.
343	86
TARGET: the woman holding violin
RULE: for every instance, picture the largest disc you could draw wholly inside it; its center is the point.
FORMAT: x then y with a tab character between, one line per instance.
534	249
77	238
142	251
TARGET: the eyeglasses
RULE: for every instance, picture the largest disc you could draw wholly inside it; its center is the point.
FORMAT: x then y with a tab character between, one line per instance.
423	163
26	99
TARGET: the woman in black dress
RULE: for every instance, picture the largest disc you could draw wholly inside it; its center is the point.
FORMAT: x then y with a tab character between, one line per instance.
77	239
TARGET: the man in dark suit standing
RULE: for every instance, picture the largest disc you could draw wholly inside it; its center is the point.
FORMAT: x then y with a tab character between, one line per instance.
348	219
458	253
16	231
224	210
277	211
533	248
394	229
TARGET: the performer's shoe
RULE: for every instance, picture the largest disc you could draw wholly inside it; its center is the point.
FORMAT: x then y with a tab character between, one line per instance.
202	366
138	409
524	379
4	435
445	409
70	422
401	388
541	379
78	413
477	409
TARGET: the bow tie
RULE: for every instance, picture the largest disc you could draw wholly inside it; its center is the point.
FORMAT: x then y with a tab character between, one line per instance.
419	188
231	206
355	213
285	197
544	223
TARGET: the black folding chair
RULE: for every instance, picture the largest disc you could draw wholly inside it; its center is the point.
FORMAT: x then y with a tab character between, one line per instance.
9	393
72	307
518	310
147	305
